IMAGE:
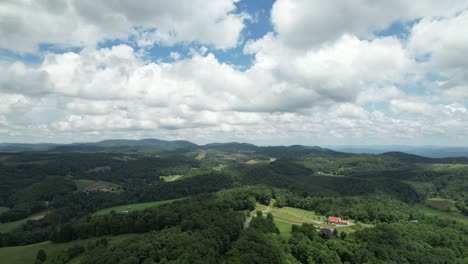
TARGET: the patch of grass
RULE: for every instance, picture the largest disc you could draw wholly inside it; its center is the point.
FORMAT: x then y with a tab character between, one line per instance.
201	155
442	204
170	178
291	216
4	209
90	184
284	228
424	209
27	254
134	207
219	167
10	226
304	213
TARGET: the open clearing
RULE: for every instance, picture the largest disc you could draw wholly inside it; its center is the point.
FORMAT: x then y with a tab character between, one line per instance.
429	211
83	185
219	167
10	226
442	204
134	207
285	217
27	254
170	178
284	228
201	155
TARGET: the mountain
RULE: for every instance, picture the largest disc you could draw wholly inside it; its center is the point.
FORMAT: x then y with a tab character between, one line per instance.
16	147
149	142
275	151
426	151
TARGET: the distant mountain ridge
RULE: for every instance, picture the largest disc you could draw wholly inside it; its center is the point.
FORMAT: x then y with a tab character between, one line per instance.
413	153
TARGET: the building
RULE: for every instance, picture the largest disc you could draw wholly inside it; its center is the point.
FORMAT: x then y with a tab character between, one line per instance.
334	219
337	220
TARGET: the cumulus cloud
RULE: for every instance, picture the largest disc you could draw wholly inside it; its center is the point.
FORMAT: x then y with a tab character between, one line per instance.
303	23
321	77
26	24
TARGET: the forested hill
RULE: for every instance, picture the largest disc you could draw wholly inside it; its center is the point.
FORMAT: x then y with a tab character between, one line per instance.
203	200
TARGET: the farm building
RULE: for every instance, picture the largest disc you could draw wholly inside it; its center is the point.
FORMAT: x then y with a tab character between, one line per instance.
337	220
334	219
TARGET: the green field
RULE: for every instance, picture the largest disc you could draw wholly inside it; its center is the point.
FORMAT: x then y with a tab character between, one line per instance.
90	184
3	209
429	211
8	227
27	254
284	228
134	207
219	167
442	204
170	178
285	217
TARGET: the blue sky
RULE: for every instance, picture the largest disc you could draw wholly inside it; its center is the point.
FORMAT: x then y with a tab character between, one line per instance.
266	72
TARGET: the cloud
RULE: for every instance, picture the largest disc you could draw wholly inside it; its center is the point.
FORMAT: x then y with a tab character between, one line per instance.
320	78
305	23
26	24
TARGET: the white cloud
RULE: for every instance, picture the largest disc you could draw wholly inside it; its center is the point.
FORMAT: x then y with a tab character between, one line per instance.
26	24
303	23
322	78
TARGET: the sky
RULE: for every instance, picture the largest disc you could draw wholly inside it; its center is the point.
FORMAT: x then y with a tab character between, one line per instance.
310	72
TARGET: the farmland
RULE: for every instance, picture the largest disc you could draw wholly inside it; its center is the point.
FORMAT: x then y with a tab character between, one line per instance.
169	178
87	185
27	254
285	217
134	207
7	227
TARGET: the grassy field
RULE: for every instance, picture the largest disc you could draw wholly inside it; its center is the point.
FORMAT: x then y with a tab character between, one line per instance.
429	211
170	178
201	155
285	217
134	207
3	209
7	227
284	228
219	167
90	184
27	254
442	204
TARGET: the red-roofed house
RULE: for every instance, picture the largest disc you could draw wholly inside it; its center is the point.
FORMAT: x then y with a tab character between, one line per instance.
334	219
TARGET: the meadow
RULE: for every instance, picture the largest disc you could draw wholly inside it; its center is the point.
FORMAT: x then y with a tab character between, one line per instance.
27	254
134	207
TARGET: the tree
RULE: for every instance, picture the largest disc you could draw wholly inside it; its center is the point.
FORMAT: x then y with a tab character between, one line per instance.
41	255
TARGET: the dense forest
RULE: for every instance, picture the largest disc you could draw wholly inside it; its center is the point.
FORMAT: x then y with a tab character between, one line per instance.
240	205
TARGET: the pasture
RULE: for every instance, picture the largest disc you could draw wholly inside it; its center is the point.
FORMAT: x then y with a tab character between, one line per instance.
285	217
10	226
27	254
134	207
84	185
169	178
